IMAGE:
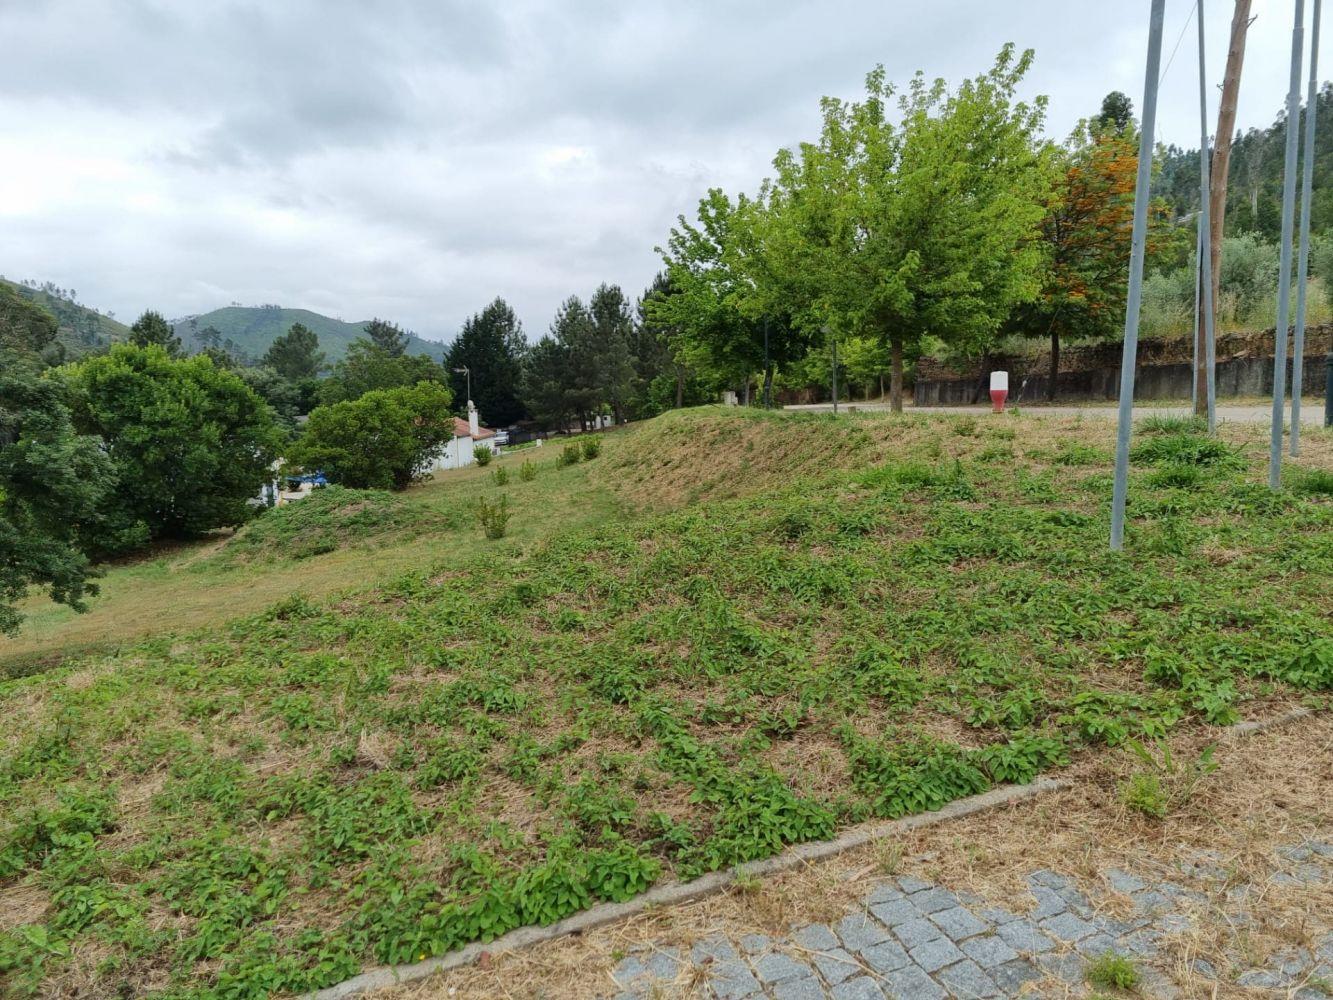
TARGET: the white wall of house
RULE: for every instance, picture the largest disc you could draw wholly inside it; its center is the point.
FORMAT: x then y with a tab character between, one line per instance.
459	451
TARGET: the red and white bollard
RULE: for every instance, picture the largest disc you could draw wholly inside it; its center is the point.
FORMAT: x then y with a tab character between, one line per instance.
999	390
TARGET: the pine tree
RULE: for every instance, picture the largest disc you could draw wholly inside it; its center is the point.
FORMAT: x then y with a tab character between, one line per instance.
296	355
491	346
387	336
152	328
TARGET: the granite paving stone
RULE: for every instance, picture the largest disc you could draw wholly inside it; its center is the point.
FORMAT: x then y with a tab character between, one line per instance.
935	954
732	980
895	911
988	950
860	988
1011	976
959	923
799	989
1067	927
966	981
816	937
1022	936
886	957
910	983
917	932
934	900
774	967
860	930
837	964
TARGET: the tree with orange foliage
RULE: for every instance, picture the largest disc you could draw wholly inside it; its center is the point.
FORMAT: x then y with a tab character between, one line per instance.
1086	242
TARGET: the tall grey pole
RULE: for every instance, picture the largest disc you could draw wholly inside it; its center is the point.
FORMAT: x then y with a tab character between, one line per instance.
1205	228
1303	257
1199	245
1284	264
1131	349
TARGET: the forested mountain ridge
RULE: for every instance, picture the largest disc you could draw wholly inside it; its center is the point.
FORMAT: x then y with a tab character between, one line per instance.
1254	185
81	328
248	331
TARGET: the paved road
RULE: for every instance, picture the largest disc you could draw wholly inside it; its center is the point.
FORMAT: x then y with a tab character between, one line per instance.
911	940
1312	411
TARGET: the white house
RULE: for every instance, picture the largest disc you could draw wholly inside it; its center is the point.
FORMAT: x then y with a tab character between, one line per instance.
468	434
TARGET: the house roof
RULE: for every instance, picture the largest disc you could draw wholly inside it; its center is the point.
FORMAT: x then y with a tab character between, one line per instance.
462	429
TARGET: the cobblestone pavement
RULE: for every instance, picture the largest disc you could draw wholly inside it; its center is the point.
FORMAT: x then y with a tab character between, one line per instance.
917	941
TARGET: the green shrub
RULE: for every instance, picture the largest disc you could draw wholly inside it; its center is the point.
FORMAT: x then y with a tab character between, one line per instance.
1181	477
482	455
571	454
592	447
1166	784
1113	972
500	476
1143	792
494	516
1315	482
1186	449
1160	424
527	471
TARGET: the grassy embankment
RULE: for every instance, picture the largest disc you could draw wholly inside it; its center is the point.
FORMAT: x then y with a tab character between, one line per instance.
792	624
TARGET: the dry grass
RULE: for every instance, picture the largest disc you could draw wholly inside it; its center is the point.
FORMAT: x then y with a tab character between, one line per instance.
1271	789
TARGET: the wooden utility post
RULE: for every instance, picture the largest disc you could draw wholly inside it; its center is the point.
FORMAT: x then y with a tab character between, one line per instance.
1226	129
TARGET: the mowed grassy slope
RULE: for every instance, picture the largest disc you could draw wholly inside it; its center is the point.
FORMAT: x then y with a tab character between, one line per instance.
184	588
925	609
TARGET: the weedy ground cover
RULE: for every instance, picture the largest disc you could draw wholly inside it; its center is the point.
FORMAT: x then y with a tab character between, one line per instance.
505	739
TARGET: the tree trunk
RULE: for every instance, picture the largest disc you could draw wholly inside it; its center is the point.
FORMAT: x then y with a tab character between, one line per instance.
745	392
1055	365
768	385
896	374
680	387
881	387
1226	128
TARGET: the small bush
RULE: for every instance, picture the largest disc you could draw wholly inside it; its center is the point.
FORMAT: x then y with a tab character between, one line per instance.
500	476
1171	425
494	516
1113	972
571	454
1186	449
482	455
527	471
592	447
1315	482
1143	793
1166	784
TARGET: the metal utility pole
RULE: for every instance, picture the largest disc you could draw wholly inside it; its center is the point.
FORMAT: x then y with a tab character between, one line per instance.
1284	262
1200	248
1226	130
1207	326
465	370
1303	257
1131	349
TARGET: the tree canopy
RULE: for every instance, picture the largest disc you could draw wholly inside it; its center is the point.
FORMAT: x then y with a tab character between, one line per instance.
491	347
296	354
383	439
53	482
191	444
369	366
152	329
388	337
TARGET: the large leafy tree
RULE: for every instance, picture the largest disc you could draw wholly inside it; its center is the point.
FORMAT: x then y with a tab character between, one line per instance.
926	228
388	337
368	366
661	380
296	354
491	347
53	483
1085	242
715	309
152	329
382	440
191	443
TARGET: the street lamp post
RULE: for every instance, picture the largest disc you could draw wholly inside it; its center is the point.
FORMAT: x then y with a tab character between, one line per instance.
465	370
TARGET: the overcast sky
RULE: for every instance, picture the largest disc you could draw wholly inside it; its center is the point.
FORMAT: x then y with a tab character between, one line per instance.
415	158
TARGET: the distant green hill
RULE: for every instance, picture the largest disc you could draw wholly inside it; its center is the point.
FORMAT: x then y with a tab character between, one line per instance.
251	329
82	328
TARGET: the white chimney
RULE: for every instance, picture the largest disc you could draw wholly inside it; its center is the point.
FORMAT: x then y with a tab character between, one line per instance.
474	425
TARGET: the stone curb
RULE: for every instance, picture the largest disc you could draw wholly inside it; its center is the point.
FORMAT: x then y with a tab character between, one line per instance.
715	882
683	892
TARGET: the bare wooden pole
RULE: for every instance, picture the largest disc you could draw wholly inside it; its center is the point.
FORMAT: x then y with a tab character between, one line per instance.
1217	181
